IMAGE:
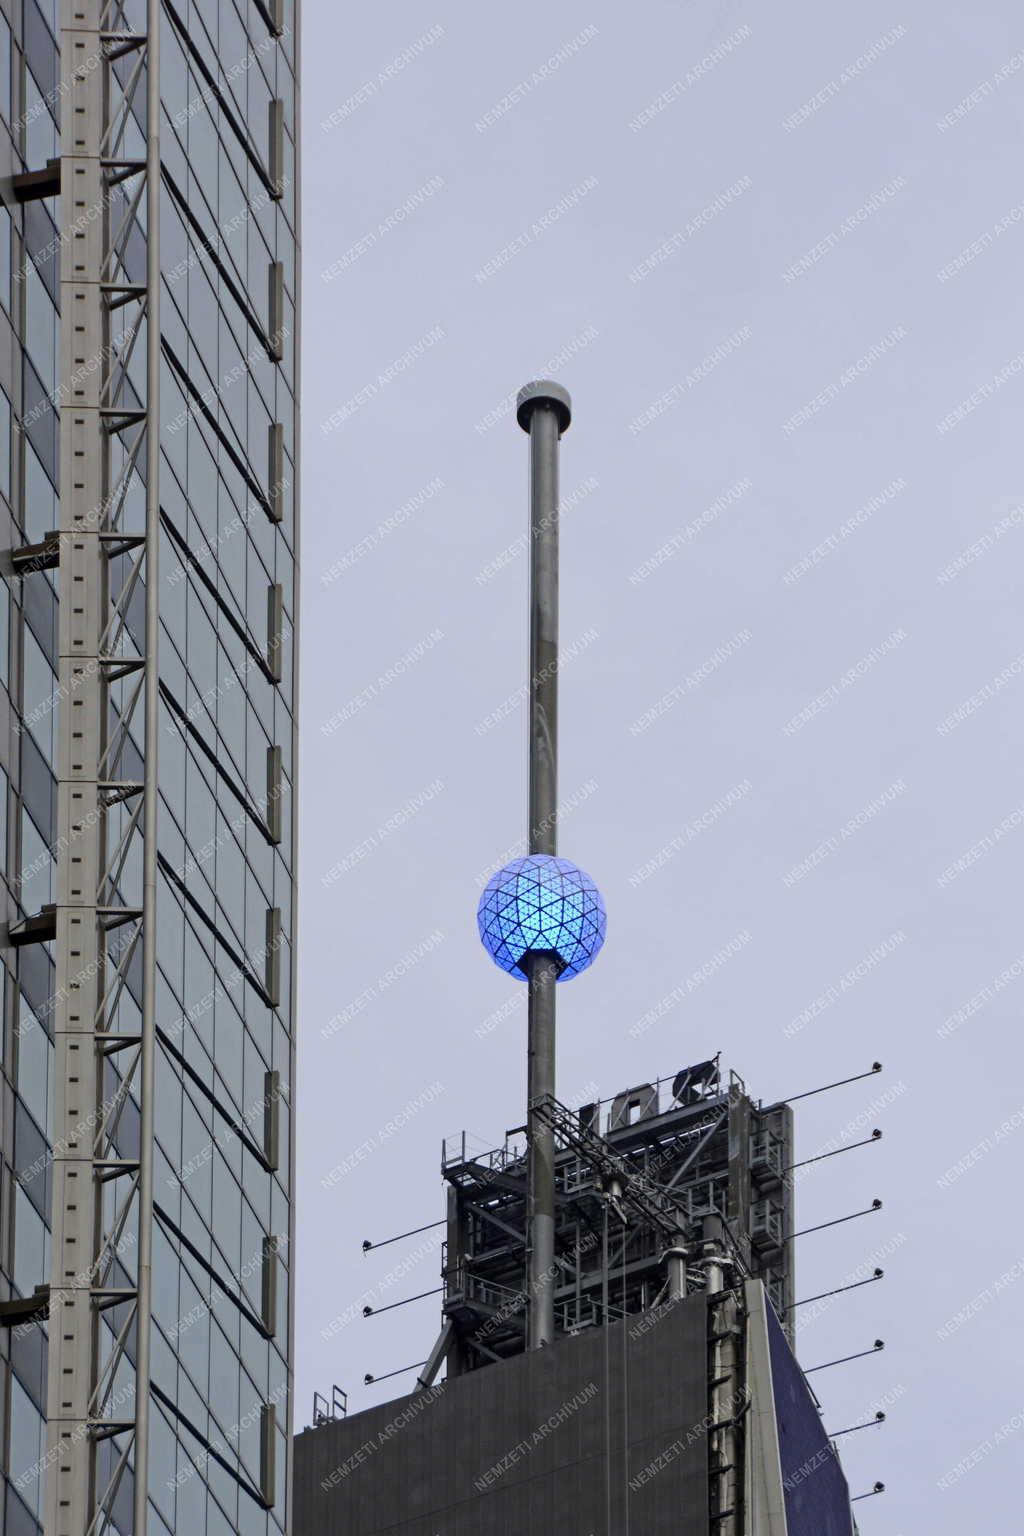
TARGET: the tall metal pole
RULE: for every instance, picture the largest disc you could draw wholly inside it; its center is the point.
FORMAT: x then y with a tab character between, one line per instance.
544	410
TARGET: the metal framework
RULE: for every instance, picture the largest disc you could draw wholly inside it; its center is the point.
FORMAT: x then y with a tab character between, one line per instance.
637	1178
100	1289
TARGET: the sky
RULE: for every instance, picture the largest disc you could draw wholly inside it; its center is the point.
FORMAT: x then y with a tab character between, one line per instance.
774	256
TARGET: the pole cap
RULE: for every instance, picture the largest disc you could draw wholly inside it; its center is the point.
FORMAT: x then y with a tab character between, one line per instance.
544	392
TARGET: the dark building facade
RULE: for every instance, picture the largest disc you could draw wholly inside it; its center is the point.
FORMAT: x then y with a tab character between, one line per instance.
618	1430
602	1432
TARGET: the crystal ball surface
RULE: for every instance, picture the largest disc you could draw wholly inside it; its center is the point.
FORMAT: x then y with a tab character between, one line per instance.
542	904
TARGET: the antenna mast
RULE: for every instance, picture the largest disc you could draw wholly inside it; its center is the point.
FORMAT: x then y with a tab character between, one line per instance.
544	410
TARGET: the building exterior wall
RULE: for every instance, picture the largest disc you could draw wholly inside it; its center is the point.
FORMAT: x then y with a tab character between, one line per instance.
225	752
594	1435
615	1429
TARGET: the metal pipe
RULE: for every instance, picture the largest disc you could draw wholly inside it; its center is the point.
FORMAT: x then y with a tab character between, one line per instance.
876	1066
383	1242
376	1311
544	434
675	1263
878	1488
879	1418
544	410
876	1205
876	1135
878	1344
713	1254
370	1380
542	973
823	1295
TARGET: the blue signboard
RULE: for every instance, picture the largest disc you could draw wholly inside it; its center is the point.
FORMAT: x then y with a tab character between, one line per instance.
816	1494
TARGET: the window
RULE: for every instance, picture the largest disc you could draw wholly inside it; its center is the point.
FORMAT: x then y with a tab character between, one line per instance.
36	883
5	230
5	82
33	1161
39	701
40	129
28	1444
5	634
40	420
35	1054
41	26
40	328
39	514
5	404
42	246
31	1245
38	788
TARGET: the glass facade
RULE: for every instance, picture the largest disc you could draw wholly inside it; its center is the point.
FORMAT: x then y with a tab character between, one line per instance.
220	1400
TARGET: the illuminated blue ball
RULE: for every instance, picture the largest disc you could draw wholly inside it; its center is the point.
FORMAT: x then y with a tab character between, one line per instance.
541	904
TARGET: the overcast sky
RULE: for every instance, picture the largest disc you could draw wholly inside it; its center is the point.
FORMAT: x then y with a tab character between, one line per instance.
774	255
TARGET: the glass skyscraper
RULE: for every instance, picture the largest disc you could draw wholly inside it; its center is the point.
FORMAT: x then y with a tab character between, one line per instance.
148	408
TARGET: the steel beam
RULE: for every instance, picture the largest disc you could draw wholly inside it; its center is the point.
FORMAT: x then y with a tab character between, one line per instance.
98	1381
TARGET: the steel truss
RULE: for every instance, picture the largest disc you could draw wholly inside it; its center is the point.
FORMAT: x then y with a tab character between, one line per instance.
104	1005
659	1176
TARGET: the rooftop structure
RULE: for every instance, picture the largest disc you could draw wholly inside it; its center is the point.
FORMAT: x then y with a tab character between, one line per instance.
668	1398
678	1167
